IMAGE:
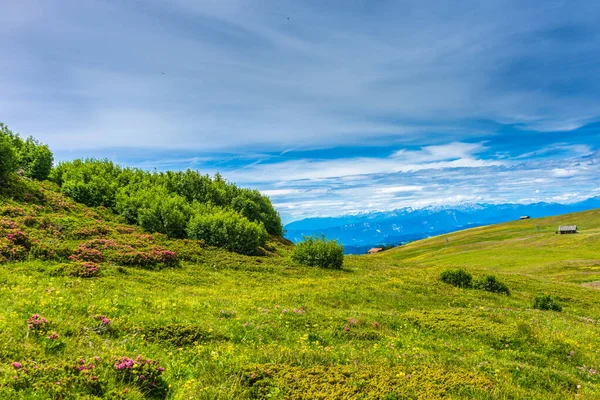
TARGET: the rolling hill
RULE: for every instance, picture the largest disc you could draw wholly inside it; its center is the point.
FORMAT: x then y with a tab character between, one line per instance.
219	325
530	247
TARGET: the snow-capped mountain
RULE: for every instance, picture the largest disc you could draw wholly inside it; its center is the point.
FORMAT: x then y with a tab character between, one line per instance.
358	232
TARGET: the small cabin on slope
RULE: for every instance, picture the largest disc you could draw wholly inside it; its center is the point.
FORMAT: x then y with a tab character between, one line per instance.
564	229
524	217
375	250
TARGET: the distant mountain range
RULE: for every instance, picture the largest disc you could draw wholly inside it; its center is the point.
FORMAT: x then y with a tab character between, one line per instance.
359	232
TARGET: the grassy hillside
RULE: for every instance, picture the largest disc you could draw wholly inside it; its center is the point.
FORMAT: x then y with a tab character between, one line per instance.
529	247
218	325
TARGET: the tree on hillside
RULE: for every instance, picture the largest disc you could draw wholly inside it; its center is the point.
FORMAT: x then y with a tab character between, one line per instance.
36	159
8	157
30	156
142	196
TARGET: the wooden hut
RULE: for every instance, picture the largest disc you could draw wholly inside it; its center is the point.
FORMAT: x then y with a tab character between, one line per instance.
375	250
565	229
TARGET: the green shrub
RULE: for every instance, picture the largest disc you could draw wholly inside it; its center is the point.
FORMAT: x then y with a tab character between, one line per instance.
102	183
74	377
319	252
546	302
30	156
8	158
457	277
228	229
36	160
257	207
156	210
277	381
489	283
90	182
150	258
82	269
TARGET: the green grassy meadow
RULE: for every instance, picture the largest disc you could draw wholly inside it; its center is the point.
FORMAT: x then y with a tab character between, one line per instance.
228	326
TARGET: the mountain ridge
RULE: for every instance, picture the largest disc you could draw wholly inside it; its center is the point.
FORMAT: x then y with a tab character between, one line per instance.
359	231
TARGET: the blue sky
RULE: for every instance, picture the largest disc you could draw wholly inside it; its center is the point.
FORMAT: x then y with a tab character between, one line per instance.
329	107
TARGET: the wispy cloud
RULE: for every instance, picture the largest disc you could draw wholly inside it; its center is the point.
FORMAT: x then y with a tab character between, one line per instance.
453	155
399	189
559	149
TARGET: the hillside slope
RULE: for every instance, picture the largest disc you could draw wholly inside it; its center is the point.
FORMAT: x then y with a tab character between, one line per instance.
529	247
218	325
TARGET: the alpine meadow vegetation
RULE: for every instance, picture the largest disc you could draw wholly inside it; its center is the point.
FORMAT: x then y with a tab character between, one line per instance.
320	252
119	283
223	214
29	157
546	302
457	277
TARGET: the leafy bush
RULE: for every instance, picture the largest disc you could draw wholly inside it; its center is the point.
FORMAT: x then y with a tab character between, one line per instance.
58	380
90	231
489	283
319	252
84	269
8	158
78	235
87	377
146	259
102	183
546	302
31	157
36	160
257	208
227	229
156	210
457	277
144	373
84	253
91	182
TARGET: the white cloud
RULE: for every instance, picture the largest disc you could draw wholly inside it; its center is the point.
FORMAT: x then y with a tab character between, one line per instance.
559	148
564	173
398	189
451	151
568	197
280	192
454	155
